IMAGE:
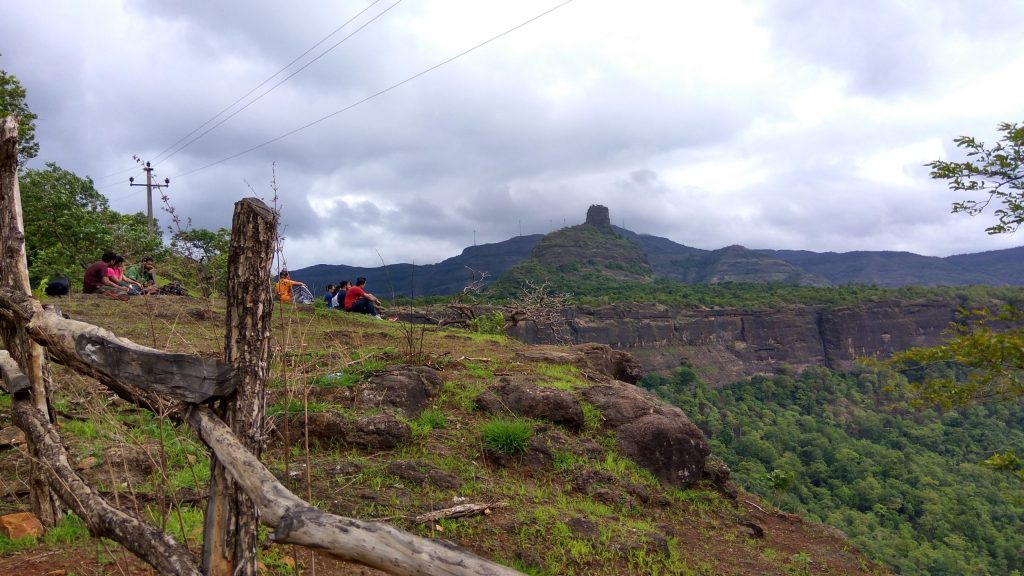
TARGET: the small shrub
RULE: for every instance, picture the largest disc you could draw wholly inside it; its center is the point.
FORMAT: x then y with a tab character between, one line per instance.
462	395
429	419
82	429
565	462
338	379
488	324
507	436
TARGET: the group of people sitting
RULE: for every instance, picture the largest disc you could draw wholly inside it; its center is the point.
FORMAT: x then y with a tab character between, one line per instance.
342	296
108	277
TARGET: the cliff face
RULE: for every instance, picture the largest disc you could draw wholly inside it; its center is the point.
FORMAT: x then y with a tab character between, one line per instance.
728	345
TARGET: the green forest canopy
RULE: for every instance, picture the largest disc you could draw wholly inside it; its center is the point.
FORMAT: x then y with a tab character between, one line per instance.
905	484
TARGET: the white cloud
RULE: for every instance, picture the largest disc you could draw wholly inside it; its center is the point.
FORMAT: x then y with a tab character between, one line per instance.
773	123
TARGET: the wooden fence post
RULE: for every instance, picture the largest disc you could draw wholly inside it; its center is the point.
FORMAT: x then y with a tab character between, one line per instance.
14	274
230	531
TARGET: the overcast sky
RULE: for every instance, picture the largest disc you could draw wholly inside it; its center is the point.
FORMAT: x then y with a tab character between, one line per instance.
785	124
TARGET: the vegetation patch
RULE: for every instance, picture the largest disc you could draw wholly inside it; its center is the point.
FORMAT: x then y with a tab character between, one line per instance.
907	485
297	406
559	376
507	436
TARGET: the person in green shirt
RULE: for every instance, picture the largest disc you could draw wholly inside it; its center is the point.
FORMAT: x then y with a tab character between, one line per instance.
143	274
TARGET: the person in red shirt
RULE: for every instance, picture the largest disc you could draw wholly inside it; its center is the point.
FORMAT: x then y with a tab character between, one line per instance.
359	300
96	280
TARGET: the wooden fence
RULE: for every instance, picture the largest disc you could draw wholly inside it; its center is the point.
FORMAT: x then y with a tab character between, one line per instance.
223	401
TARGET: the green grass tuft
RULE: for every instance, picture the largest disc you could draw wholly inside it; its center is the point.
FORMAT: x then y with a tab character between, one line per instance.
507	436
69	530
559	376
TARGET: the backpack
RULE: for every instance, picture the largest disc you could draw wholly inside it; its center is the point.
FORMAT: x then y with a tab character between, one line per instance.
58	286
173	289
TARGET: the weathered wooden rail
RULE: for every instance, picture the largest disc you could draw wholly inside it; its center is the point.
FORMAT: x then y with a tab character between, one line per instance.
223	401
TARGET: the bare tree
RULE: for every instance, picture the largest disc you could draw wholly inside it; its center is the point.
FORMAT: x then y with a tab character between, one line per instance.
537	307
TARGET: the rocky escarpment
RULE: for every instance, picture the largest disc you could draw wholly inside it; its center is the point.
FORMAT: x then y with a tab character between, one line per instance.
725	345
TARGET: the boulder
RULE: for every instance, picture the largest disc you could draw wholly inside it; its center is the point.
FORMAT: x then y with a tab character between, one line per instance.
594	359
717	472
407	389
671	448
11	436
615	364
380	432
20	525
327	427
420	473
655	435
525	399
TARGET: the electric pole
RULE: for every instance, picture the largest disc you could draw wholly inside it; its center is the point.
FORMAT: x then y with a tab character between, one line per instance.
149	190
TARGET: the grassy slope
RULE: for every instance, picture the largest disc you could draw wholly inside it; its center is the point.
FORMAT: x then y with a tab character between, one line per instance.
549	525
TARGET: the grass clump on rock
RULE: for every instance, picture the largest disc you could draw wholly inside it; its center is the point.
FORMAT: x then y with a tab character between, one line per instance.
506	436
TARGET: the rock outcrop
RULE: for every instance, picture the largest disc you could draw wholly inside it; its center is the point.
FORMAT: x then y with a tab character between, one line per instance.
726	345
407	389
399	391
653	434
531	401
591	358
20	525
598	215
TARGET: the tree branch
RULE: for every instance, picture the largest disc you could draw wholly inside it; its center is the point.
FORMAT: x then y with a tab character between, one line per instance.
295	521
144	540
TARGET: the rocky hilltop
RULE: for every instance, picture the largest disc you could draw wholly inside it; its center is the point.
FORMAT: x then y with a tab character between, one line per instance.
663	258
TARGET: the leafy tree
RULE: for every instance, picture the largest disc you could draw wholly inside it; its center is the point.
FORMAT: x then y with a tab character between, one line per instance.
997	171
12	101
779	481
992	358
68	224
988	362
206	254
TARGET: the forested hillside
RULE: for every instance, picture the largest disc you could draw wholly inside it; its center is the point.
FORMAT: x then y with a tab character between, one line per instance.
904	482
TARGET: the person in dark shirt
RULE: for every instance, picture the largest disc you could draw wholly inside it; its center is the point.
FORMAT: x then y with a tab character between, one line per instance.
96	280
329	296
339	294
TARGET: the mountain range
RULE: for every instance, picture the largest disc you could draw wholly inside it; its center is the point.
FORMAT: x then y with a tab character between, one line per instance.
626	255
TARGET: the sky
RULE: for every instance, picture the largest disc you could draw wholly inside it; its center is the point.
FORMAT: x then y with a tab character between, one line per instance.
424	127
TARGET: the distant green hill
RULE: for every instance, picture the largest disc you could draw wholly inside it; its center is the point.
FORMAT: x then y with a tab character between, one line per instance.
731	264
585	261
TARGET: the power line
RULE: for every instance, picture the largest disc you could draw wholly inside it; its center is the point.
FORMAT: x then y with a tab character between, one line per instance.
159	156
375	94
272	88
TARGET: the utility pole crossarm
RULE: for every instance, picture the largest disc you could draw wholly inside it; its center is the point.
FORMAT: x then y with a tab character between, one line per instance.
149	191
